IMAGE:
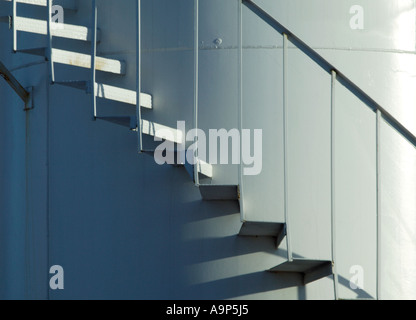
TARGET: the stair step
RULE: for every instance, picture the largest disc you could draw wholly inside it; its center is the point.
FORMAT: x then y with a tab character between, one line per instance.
108	92
105	91
80	60
129	122
204	169
261	229
66	4
264	229
212	192
153	129
148	127
76	84
67	31
311	270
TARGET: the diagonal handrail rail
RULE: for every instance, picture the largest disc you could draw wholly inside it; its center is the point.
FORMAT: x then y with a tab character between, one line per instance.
329	68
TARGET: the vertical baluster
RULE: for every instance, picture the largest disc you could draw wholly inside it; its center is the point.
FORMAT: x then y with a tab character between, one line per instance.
285	144
14	29
50	56
240	104
378	188
333	209
139	77
196	87
93	58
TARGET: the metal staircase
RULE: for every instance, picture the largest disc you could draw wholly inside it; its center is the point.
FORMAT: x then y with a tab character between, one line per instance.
311	269
89	61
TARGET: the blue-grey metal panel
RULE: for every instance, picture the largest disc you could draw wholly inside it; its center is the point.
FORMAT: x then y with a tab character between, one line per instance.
24	188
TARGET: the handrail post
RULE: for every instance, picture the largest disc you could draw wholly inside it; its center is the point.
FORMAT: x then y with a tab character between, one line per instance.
240	106
14	28
139	77
333	206
285	144
50	39
196	87
93	58
378	188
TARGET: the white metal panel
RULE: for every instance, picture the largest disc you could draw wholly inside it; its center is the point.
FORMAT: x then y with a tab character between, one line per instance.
397	216
218	105
263	109
308	143
388	25
355	195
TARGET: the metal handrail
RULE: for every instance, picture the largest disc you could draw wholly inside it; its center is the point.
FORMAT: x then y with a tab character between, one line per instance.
328	67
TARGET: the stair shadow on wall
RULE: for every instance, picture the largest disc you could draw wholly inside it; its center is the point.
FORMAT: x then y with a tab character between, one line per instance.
230	246
361	294
252	283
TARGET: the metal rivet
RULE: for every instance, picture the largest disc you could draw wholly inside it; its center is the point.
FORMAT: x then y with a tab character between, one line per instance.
218	41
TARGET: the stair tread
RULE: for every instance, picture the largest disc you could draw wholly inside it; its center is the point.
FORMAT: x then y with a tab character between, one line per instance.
261	229
219	192
84	61
310	269
81	60
155	129
122	95
108	92
204	168
148	127
67	31
301	265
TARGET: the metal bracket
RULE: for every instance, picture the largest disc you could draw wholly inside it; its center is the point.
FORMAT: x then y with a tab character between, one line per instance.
29	105
25	94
